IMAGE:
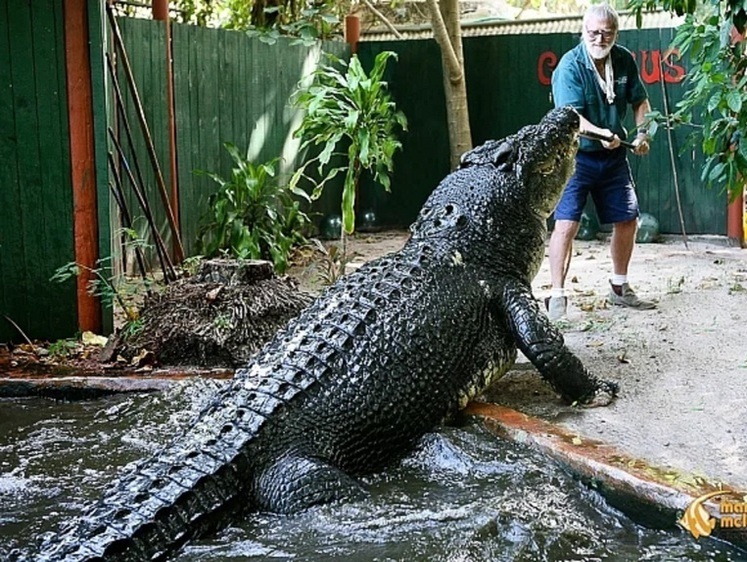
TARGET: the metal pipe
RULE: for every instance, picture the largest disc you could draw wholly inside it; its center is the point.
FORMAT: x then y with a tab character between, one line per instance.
597	136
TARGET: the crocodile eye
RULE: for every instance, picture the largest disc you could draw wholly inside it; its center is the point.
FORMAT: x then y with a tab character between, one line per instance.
547	168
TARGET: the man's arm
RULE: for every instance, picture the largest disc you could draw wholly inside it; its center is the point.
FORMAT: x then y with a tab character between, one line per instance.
642	140
587	125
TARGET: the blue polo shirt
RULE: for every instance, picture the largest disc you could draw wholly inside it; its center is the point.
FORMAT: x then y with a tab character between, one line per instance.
574	83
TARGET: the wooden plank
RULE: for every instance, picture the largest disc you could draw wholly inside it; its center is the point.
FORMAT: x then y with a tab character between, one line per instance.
182	89
96	33
13	296
224	109
29	178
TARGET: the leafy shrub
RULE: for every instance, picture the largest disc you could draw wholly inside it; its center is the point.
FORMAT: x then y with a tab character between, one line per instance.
344	106
252	215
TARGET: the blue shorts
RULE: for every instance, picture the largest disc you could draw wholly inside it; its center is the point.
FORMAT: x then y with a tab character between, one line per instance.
606	175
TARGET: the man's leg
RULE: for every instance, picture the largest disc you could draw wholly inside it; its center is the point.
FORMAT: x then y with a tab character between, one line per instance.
560	248
621	250
561	244
621	245
617	203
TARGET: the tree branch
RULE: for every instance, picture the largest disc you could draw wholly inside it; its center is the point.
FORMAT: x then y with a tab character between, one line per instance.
389	25
442	38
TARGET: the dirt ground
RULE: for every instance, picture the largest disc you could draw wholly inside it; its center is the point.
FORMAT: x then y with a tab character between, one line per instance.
682	368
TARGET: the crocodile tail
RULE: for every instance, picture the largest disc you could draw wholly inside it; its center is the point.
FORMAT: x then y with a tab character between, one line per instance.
192	488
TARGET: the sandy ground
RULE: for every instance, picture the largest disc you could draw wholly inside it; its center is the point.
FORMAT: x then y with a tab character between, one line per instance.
681	367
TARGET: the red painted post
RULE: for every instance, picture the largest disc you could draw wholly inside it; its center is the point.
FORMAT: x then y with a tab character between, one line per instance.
734	218
353	31
735	221
82	161
161	10
736	215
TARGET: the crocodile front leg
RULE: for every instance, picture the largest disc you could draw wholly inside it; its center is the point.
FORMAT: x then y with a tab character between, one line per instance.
543	345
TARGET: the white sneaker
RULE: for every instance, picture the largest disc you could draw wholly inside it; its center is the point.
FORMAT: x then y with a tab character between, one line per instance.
556	308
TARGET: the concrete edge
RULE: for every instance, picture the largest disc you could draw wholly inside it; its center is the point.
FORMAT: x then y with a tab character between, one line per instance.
86	387
653	496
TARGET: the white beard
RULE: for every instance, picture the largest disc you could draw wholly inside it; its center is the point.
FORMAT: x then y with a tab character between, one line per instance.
597	52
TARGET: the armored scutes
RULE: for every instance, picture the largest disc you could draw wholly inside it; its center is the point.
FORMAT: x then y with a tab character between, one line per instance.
379	359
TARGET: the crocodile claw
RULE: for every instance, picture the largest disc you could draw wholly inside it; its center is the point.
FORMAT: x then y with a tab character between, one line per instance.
604	394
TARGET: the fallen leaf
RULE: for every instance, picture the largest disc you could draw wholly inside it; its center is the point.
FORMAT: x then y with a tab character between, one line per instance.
89	338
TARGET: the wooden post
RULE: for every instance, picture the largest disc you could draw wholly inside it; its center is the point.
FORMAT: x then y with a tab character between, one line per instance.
353	31
82	158
161	10
735	220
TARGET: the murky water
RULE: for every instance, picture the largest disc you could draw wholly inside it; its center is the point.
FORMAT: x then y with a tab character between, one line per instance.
464	495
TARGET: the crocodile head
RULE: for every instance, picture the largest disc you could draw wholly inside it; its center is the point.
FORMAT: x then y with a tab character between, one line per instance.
541	157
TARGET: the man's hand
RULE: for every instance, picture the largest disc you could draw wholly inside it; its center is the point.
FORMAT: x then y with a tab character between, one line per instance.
641	144
612	144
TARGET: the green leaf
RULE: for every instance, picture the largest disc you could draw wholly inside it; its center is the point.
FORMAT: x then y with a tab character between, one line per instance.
734	100
348	202
351	120
363	143
352	108
717	172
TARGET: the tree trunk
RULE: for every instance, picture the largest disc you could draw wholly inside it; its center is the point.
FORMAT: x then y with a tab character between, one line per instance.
448	33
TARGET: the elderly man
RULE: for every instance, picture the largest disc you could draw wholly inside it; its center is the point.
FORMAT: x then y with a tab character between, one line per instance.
600	79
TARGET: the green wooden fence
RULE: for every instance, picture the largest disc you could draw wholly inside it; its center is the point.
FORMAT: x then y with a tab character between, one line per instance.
228	87
36	205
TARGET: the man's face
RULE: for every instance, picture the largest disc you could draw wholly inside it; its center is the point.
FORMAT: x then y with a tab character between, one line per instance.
599	37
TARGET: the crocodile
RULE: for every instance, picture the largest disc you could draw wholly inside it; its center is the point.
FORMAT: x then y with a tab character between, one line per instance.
380	358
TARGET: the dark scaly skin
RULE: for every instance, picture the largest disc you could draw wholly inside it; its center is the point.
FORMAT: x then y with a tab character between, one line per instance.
379	359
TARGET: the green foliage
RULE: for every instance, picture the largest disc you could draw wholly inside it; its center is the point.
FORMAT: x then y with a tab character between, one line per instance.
63	348
252	215
347	110
332	263
309	20
734	11
716	99
100	285
126	295
716	95
311	25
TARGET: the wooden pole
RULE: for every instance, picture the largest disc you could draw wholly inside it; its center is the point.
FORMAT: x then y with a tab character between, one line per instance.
353	31
735	220
161	10
82	158
179	256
